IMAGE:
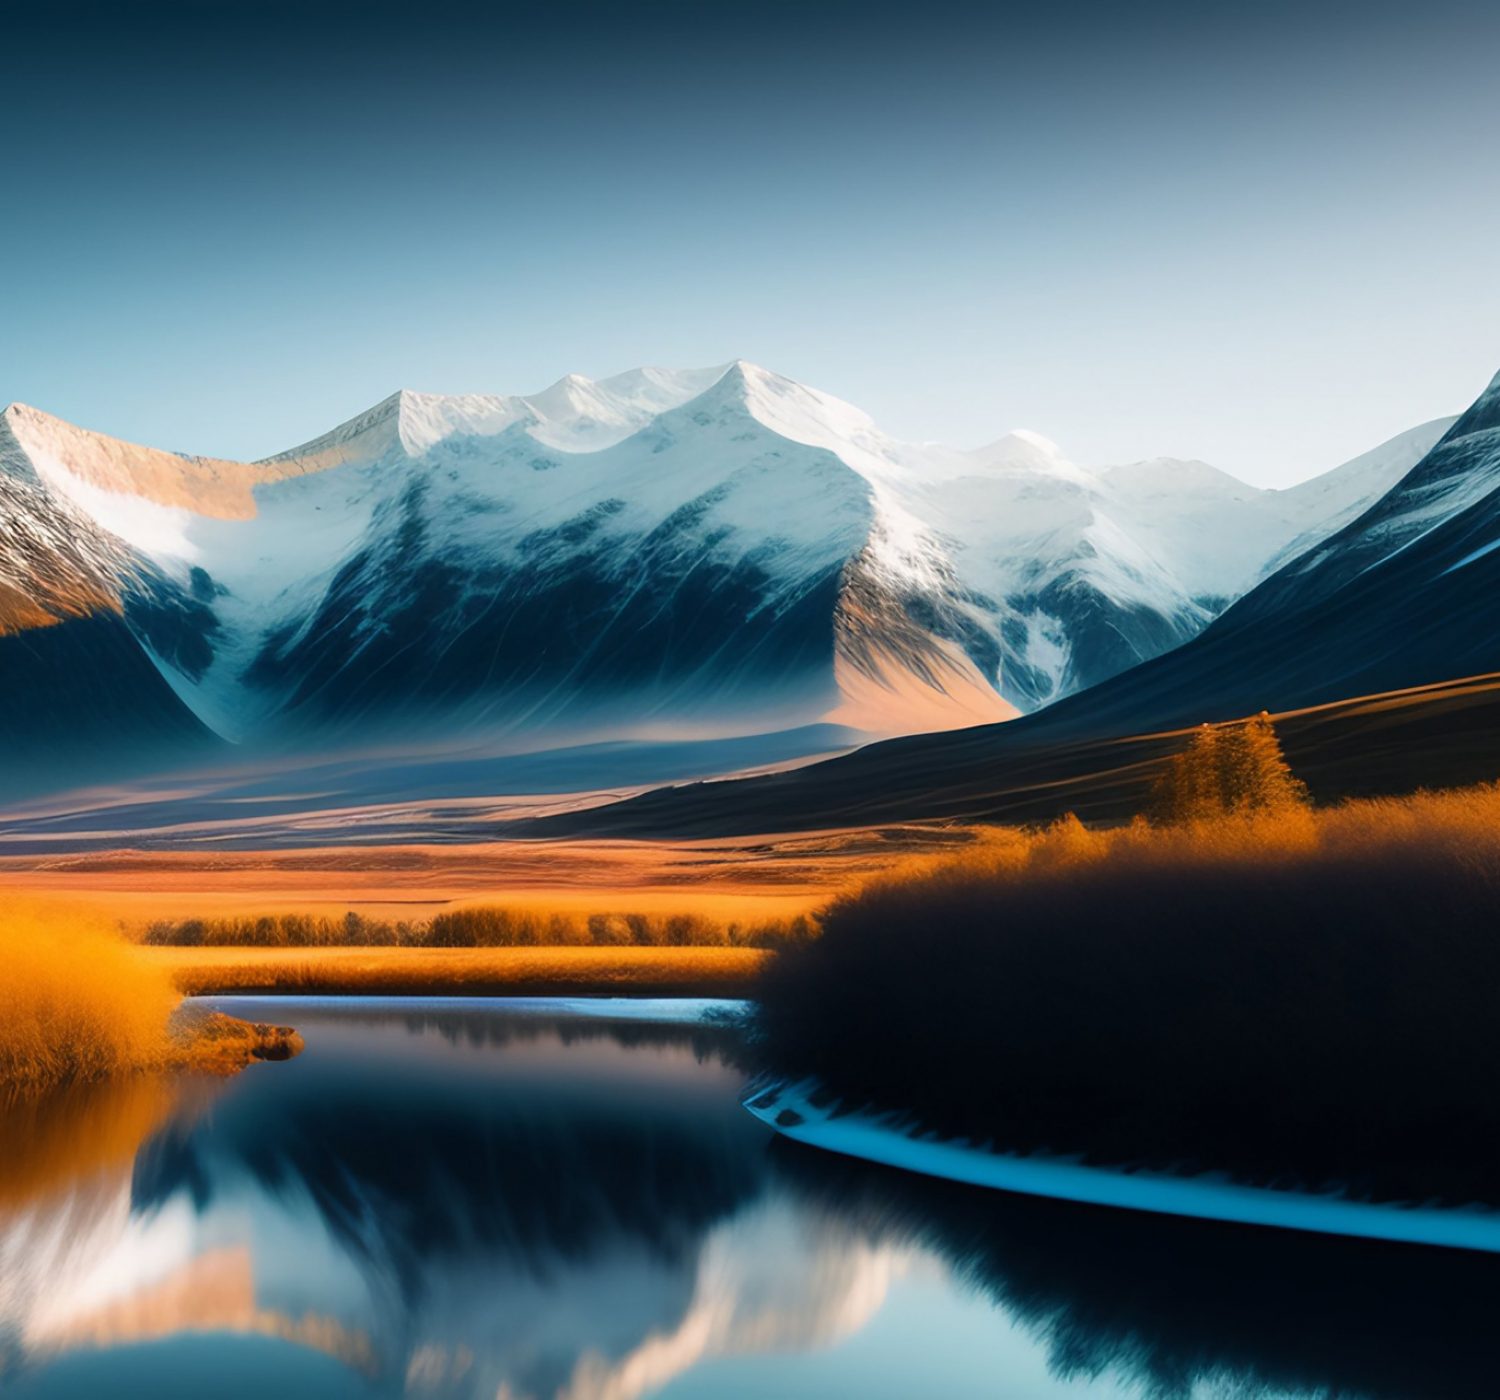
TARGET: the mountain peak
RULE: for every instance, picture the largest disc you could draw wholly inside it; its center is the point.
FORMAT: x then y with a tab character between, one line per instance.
741	377
1022	449
1176	476
787	407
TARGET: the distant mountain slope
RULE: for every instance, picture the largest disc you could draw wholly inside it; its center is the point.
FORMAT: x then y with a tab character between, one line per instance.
688	553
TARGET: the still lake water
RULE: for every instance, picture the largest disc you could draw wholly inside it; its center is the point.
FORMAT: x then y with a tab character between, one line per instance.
523	1201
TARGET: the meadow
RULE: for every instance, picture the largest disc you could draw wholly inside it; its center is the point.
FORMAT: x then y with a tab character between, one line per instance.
1239	981
1296	995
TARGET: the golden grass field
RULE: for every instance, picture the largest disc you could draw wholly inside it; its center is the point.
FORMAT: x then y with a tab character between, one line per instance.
82	999
78	1004
708	972
750	880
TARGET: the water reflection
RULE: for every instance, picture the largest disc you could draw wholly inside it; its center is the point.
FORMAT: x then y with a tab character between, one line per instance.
1179	1306
65	1193
490	1203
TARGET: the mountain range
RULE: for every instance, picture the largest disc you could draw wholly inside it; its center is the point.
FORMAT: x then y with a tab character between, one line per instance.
685	554
1378	647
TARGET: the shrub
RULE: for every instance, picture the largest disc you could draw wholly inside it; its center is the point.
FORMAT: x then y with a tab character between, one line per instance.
1280	993
1227	769
75	1002
477	927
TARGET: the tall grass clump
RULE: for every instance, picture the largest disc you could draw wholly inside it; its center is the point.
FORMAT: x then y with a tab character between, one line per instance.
1289	994
76	1004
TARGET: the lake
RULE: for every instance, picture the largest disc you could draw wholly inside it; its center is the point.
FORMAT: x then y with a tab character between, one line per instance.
526	1200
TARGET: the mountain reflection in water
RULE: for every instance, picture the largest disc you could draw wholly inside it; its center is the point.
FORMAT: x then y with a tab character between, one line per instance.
491	1201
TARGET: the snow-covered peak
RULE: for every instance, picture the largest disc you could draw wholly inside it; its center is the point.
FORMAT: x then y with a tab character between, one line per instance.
367	436
784	405
102	472
1023	450
651	389
575	414
583	415
1174	476
1371	474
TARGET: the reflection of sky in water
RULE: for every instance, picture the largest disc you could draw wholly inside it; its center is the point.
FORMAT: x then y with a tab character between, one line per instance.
475	1202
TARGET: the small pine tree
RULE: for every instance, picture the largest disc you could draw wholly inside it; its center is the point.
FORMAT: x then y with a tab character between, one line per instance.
1233	769
1188	789
1255	773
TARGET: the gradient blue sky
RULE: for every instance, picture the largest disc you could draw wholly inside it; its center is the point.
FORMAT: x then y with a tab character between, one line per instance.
1261	235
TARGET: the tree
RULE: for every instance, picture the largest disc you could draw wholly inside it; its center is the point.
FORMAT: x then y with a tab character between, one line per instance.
1226	770
1188	790
1254	773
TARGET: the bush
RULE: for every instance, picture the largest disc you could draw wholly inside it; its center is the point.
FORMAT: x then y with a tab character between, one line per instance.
1292	994
478	927
75	1002
1231	768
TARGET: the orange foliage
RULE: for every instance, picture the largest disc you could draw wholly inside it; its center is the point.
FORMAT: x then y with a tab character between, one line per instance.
76	1003
1226	769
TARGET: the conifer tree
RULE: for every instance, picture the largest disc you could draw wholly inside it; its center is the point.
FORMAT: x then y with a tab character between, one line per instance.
1188	790
1255	773
1232	769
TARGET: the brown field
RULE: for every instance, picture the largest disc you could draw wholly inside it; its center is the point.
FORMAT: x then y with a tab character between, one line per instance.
748	880
725	972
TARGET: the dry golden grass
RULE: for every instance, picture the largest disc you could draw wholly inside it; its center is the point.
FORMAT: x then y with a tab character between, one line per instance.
79	1006
75	1003
751	881
1463	822
460	971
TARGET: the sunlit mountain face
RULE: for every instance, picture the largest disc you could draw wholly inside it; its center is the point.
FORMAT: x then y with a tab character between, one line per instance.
703	554
575	1206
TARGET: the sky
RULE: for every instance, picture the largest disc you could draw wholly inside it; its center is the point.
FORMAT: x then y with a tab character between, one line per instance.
1258	235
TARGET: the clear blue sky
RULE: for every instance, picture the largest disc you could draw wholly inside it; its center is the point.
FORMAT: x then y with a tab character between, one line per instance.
1262	235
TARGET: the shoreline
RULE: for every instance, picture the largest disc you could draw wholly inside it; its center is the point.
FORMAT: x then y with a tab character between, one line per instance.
868	1136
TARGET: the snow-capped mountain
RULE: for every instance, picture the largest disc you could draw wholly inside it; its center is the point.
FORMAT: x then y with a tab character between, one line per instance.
1392	613
1398	596
705	552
